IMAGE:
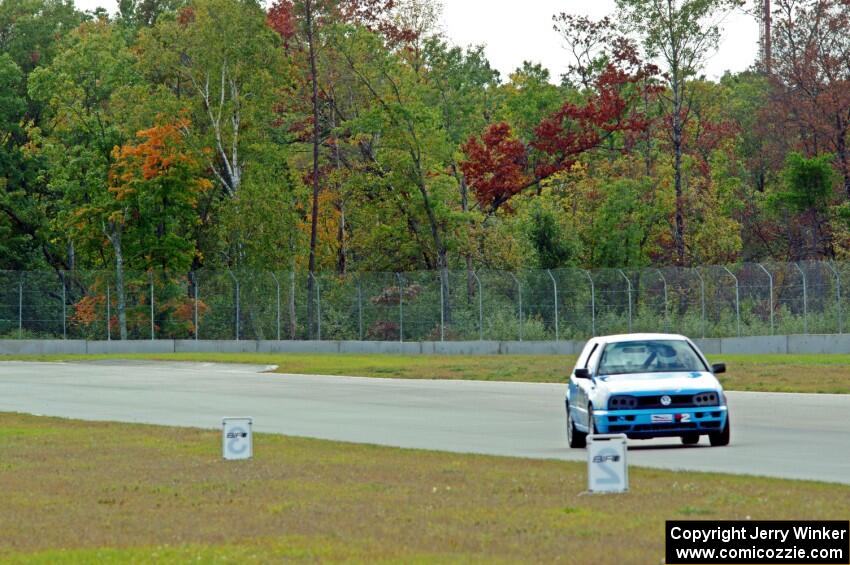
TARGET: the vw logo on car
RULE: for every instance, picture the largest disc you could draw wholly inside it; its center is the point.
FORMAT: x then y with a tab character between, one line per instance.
666	400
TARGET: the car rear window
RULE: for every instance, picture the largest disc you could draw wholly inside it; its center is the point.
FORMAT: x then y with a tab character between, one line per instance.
651	356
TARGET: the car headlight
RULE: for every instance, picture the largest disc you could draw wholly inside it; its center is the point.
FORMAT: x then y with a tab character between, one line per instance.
707	399
622	402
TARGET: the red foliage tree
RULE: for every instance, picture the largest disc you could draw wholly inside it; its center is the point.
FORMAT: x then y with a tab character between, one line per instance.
497	167
375	15
281	18
811	76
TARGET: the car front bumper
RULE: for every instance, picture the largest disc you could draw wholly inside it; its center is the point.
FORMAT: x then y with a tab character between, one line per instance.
644	424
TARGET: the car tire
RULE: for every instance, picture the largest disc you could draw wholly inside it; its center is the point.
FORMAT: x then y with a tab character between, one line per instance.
721	438
575	438
690	439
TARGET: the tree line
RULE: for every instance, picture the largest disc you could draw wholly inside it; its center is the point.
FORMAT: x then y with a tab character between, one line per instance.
352	135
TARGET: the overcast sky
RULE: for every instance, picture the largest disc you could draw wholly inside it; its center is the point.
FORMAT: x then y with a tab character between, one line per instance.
518	30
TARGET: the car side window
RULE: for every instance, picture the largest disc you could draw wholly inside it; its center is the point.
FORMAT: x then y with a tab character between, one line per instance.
585	355
593	360
590	355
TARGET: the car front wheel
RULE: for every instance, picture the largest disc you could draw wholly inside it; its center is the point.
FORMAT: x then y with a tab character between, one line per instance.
591	423
721	438
575	438
690	439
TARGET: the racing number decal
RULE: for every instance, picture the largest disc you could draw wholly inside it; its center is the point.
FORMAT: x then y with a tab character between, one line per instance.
684	417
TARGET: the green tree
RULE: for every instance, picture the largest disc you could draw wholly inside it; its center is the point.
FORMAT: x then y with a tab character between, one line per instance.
84	88
413	148
549	239
809	183
529	96
31	32
12	246
808	190
681	33
224	71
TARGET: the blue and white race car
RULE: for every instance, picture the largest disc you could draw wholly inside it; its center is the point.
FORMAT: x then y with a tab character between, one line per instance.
646	386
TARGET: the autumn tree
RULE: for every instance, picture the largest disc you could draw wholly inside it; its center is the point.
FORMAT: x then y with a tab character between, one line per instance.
160	178
85	88
499	166
681	34
147	208
304	26
31	35
811	77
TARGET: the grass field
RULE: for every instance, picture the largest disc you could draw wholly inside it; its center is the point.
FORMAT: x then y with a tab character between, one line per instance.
79	492
771	373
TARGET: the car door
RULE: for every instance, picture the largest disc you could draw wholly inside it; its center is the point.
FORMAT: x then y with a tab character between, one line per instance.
588	386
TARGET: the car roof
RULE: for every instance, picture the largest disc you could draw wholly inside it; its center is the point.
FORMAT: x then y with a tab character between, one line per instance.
640	337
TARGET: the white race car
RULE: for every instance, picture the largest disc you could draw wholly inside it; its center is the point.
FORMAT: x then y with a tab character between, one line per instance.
646	386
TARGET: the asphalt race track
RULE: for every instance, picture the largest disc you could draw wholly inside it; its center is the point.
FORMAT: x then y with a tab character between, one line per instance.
783	435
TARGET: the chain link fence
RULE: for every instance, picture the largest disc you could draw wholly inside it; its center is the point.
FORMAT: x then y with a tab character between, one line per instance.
558	304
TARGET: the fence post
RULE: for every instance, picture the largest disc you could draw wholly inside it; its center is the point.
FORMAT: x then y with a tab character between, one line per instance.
629	291
21	306
359	309
400	308
701	298
108	315
805	300
592	303
195	285
666	307
480	307
318	307
277	289
837	294
64	313
442	309
555	286
770	279
519	295
236	284
737	300
153	331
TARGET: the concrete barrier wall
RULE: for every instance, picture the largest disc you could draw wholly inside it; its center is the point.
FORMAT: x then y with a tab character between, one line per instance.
709	346
140	346
42	346
819	344
211	346
713	346
758	344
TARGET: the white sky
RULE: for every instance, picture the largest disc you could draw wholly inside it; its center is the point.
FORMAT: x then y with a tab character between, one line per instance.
518	30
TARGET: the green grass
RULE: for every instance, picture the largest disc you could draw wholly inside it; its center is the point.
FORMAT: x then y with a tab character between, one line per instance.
765	373
80	492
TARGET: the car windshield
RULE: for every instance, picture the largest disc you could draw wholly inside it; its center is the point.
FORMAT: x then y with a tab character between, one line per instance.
651	356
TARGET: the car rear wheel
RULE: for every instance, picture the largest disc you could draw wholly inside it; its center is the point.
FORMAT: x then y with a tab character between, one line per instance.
690	439
721	438
575	438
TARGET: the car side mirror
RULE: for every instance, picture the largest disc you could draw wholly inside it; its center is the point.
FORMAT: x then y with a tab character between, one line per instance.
718	368
582	373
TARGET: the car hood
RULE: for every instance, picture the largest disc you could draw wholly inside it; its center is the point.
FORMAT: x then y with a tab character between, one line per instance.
658	382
